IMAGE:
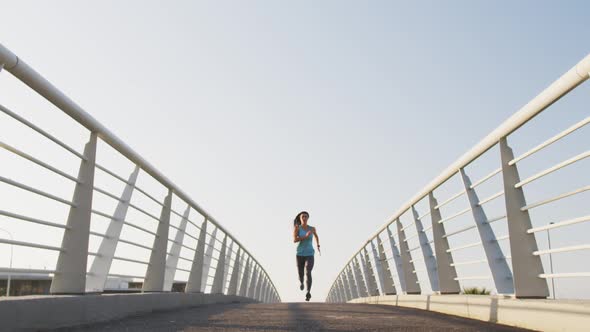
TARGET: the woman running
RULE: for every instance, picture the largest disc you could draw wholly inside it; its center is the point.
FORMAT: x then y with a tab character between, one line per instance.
304	234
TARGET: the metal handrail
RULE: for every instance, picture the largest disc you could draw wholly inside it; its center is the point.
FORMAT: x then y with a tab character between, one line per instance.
568	81
19	69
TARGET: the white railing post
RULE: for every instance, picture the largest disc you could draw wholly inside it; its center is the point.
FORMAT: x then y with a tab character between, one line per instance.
245	278
99	270
172	260
429	259
378	267
387	283
346	283
70	270
397	258
343	294
526	267
337	294
335	291
217	287
263	288
496	260
411	279
226	269
252	284
360	280
193	285
207	259
232	289
241	269
262	292
446	272
371	280
268	295
345	297
154	276
351	283
258	285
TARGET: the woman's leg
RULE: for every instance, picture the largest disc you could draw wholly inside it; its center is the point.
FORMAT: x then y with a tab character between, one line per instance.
300	266
308	267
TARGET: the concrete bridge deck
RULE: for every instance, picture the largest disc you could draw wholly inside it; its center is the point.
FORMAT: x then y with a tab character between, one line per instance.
294	317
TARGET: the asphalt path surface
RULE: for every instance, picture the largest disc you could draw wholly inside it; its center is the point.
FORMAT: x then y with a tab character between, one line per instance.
294	317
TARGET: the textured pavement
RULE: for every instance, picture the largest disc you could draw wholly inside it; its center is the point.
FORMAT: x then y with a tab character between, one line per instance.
294	317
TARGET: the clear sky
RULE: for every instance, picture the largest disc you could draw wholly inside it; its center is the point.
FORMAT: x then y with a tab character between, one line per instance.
261	109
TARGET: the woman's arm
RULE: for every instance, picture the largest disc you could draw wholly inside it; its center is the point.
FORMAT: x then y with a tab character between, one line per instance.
317	239
296	237
295	231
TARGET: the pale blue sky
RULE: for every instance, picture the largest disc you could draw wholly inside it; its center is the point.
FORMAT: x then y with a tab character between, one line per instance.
260	109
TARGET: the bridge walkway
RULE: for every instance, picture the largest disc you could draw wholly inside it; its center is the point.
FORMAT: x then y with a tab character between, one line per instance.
295	317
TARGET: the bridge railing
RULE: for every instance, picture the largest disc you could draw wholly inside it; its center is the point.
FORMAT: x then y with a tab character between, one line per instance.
458	232
102	225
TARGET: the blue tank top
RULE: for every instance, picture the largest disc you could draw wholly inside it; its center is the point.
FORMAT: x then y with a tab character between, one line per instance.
305	247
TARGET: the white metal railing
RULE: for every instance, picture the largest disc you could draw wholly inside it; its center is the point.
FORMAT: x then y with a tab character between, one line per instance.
519	273
220	263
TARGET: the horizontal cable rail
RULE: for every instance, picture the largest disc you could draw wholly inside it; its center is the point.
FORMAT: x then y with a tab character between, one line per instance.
184	232
458	214
457	195
108	194
565	275
185	259
407	226
423	216
459	231
553	169
35	191
149	196
413	236
42	132
479	261
37	161
559	224
137	208
130	260
124	222
19	270
553	199
134	244
494	219
562	249
475	244
99	234
125	276
491	198
551	140
29	244
487	177
109	172
474	278
33	220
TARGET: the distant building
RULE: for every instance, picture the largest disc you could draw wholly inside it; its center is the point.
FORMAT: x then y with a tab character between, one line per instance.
25	284
39	284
